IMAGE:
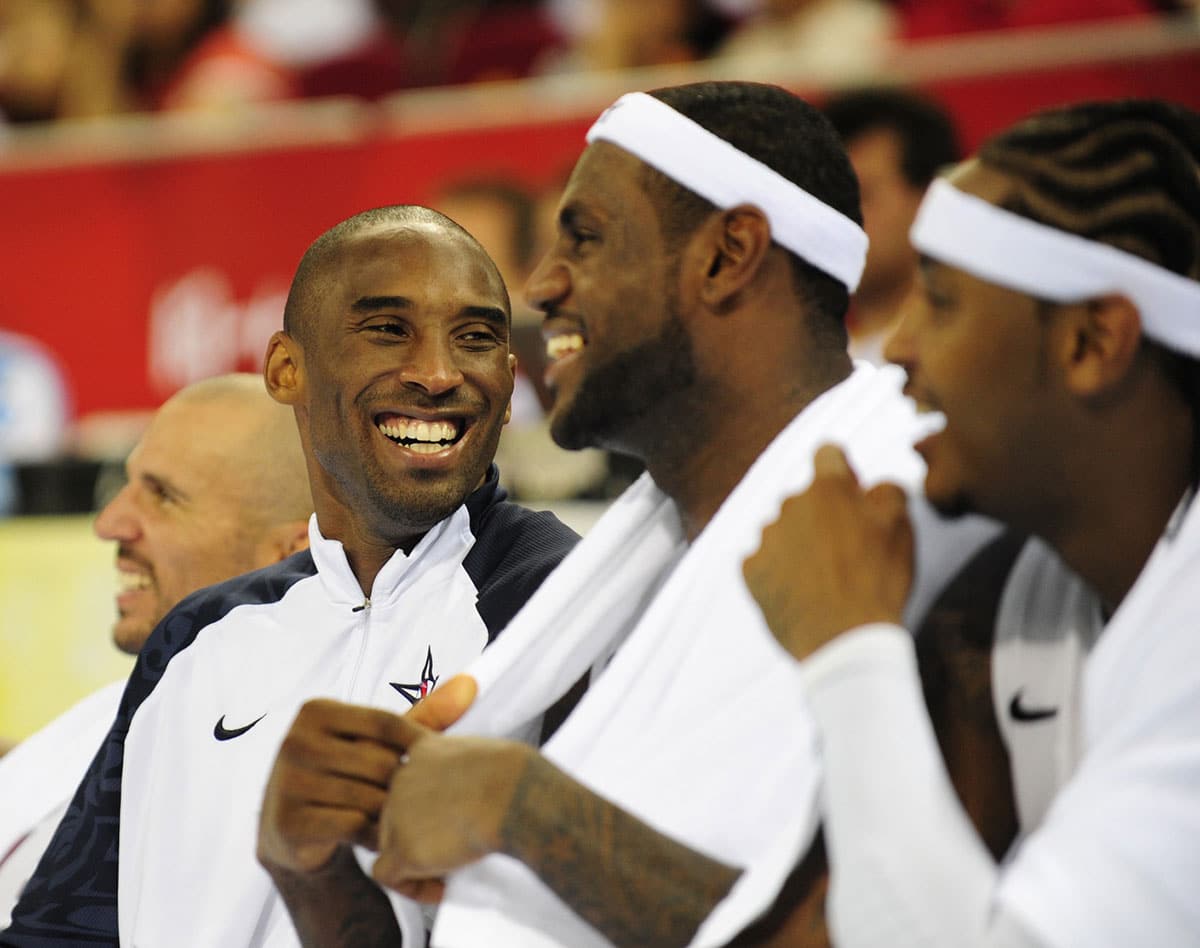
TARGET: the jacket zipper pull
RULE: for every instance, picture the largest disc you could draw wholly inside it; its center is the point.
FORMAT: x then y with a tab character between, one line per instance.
359	608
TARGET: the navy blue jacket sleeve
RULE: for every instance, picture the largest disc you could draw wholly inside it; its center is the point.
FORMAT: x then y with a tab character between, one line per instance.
72	897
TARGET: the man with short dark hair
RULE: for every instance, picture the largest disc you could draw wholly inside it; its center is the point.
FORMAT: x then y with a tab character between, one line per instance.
708	241
1057	330
898	140
395	361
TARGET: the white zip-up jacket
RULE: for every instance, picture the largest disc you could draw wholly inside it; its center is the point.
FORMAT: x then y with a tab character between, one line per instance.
158	845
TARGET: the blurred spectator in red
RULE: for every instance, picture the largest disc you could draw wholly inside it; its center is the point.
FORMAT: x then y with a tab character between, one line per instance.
922	18
422	43
36	37
501	214
90	58
898	141
628	34
501	39
825	39
132	55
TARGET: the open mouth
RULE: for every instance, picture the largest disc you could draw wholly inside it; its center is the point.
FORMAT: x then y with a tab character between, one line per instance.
563	344
419	435
921	400
131	582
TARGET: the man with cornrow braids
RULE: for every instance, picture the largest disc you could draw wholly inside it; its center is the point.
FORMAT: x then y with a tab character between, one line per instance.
1058	330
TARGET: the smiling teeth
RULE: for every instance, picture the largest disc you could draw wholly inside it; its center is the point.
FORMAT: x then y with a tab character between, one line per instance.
559	346
127	582
433	434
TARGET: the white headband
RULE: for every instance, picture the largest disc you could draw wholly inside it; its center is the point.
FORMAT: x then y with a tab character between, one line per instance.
1013	251
707	164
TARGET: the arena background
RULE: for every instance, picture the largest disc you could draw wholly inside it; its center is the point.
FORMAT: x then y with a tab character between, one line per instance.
146	253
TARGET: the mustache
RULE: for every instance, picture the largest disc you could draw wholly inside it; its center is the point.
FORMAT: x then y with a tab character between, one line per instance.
125	553
452	403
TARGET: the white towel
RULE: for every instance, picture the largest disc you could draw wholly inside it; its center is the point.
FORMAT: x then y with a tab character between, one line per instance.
696	725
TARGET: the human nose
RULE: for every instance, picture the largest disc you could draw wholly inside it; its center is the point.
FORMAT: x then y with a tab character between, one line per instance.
432	367
118	520
547	285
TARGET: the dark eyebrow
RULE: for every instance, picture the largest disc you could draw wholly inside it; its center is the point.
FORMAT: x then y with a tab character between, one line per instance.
365	304
490	314
369	304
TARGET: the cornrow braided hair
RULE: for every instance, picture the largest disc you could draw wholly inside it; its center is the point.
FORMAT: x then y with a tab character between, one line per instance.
1124	173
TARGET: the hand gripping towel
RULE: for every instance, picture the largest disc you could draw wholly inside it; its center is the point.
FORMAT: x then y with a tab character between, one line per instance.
696	725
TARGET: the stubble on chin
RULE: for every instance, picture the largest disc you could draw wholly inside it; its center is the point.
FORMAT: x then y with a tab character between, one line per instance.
619	393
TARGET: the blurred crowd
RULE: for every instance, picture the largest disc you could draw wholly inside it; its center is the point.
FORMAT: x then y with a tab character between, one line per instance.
69	59
80	59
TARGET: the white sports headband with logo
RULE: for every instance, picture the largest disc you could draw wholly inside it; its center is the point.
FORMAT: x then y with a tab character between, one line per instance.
1001	247
705	163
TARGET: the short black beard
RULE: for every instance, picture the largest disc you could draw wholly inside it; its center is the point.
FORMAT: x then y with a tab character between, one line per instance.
955	508
618	394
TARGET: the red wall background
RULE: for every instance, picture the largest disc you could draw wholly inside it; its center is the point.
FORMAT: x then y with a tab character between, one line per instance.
144	273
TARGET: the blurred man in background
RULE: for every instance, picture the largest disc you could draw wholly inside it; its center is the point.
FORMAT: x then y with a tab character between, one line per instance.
502	216
897	141
216	487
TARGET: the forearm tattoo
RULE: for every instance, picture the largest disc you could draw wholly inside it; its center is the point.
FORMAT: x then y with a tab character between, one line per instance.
339	906
636	886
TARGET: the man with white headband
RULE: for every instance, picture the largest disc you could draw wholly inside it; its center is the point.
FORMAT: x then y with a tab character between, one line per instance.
694	300
1059	332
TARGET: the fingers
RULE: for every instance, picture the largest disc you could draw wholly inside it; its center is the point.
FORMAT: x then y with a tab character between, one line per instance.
887	506
355	758
329	826
445	705
422	890
316	788
830	461
836	558
391	872
352	721
887	503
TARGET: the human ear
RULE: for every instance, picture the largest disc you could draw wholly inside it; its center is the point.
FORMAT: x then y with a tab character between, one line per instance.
737	242
1106	334
282	368
512	368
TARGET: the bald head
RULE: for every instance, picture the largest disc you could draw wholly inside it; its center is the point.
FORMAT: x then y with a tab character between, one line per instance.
217	487
323	256
258	449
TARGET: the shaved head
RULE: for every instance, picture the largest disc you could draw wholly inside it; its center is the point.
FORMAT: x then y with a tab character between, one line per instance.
262	457
323	255
217	487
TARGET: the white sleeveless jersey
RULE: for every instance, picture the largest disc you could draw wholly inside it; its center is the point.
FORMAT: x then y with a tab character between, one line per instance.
1046	624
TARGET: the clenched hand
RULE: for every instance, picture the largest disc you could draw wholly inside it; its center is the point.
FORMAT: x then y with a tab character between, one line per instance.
332	772
838	557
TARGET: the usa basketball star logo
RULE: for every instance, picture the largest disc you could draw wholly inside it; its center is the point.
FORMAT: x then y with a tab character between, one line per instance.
420	689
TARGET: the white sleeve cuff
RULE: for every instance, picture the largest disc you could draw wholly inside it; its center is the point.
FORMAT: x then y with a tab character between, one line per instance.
867	646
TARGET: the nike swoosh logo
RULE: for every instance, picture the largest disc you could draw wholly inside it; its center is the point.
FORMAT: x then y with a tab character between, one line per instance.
1019	712
222	733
